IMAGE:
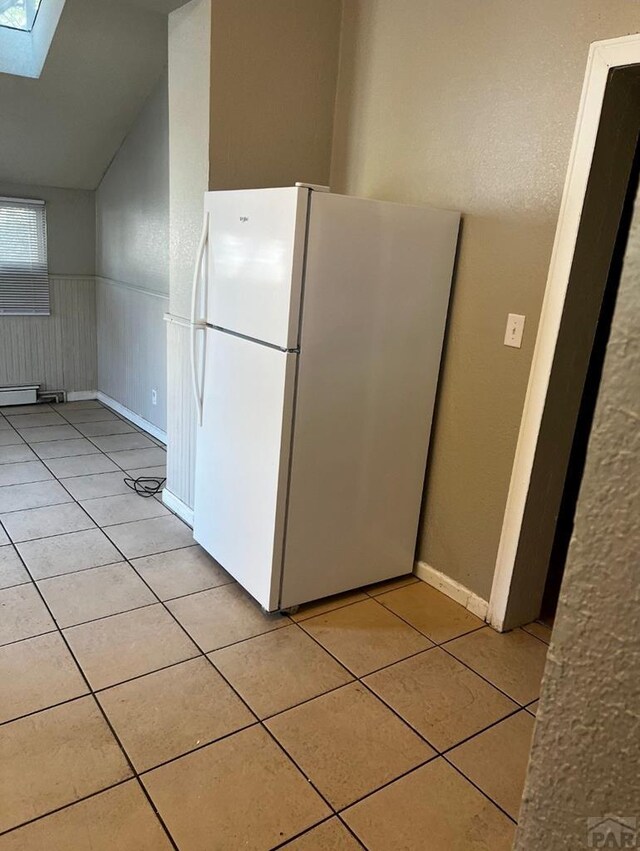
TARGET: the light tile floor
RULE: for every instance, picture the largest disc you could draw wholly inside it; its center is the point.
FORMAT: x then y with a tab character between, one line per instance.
147	703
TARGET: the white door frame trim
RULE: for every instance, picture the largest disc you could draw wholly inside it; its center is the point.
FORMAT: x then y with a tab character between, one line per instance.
603	56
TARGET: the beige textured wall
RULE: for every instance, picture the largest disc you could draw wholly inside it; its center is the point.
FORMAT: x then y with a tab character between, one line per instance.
274	66
471	106
589	768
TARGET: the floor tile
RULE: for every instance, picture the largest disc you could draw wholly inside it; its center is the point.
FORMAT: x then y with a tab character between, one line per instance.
32	495
96	485
327	604
35	674
48	418
15	410
65	467
9	437
513	661
533	707
118	648
45	522
145	537
16	452
157	472
441	698
79	405
278	670
68	553
89	415
179	572
222	616
134	459
168	713
25	471
65	448
348	743
391	585
435	808
12	571
22	614
123	508
331	835
119	819
119	442
365	636
105	427
430	611
89	594
540	630
49	433
496	760
55	757
255	797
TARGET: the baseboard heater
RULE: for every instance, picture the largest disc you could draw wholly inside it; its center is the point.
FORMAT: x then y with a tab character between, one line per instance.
19	394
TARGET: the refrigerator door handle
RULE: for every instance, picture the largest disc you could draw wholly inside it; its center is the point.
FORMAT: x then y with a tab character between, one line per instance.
197	323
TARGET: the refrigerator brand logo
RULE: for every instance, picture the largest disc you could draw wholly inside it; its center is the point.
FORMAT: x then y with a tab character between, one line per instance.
244	218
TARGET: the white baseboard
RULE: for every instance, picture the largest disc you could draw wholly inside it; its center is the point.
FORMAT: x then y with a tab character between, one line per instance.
81	395
178	507
476	605
136	419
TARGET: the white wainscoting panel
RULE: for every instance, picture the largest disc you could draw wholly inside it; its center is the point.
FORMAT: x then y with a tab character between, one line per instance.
58	352
132	349
181	425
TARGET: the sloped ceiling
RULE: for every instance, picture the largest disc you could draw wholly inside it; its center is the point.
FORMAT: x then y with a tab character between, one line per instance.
64	128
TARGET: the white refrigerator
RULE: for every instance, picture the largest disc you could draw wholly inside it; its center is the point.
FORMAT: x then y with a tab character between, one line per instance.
317	330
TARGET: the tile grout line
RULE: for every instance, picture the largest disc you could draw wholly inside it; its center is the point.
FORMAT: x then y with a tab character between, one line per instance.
437	752
202	654
260	722
308	830
95	699
98	705
443	646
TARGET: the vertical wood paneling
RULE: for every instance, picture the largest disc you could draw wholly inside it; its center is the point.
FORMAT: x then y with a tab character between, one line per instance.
59	351
181	425
132	348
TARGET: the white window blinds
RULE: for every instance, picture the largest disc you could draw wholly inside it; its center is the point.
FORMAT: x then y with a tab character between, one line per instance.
24	276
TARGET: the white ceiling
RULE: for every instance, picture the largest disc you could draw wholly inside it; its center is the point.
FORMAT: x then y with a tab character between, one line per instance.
64	128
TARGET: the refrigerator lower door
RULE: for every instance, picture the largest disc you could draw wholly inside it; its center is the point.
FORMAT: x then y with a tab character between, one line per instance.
242	460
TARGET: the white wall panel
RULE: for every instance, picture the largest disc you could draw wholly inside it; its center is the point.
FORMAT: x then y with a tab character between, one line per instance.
132	354
58	351
181	425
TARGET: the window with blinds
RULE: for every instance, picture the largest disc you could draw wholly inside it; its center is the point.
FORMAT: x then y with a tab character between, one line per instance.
24	276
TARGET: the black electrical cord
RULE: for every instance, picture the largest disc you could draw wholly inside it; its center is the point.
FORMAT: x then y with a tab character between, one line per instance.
145	486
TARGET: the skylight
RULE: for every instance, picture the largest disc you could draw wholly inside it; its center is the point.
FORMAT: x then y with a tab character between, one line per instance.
19	14
27	28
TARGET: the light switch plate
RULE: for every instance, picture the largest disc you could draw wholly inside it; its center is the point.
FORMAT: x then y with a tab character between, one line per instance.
515	328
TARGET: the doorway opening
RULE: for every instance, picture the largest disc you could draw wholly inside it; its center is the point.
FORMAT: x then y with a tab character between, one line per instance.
574	328
578	453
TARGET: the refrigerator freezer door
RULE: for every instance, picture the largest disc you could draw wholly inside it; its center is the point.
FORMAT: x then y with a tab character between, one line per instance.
256	257
242	460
